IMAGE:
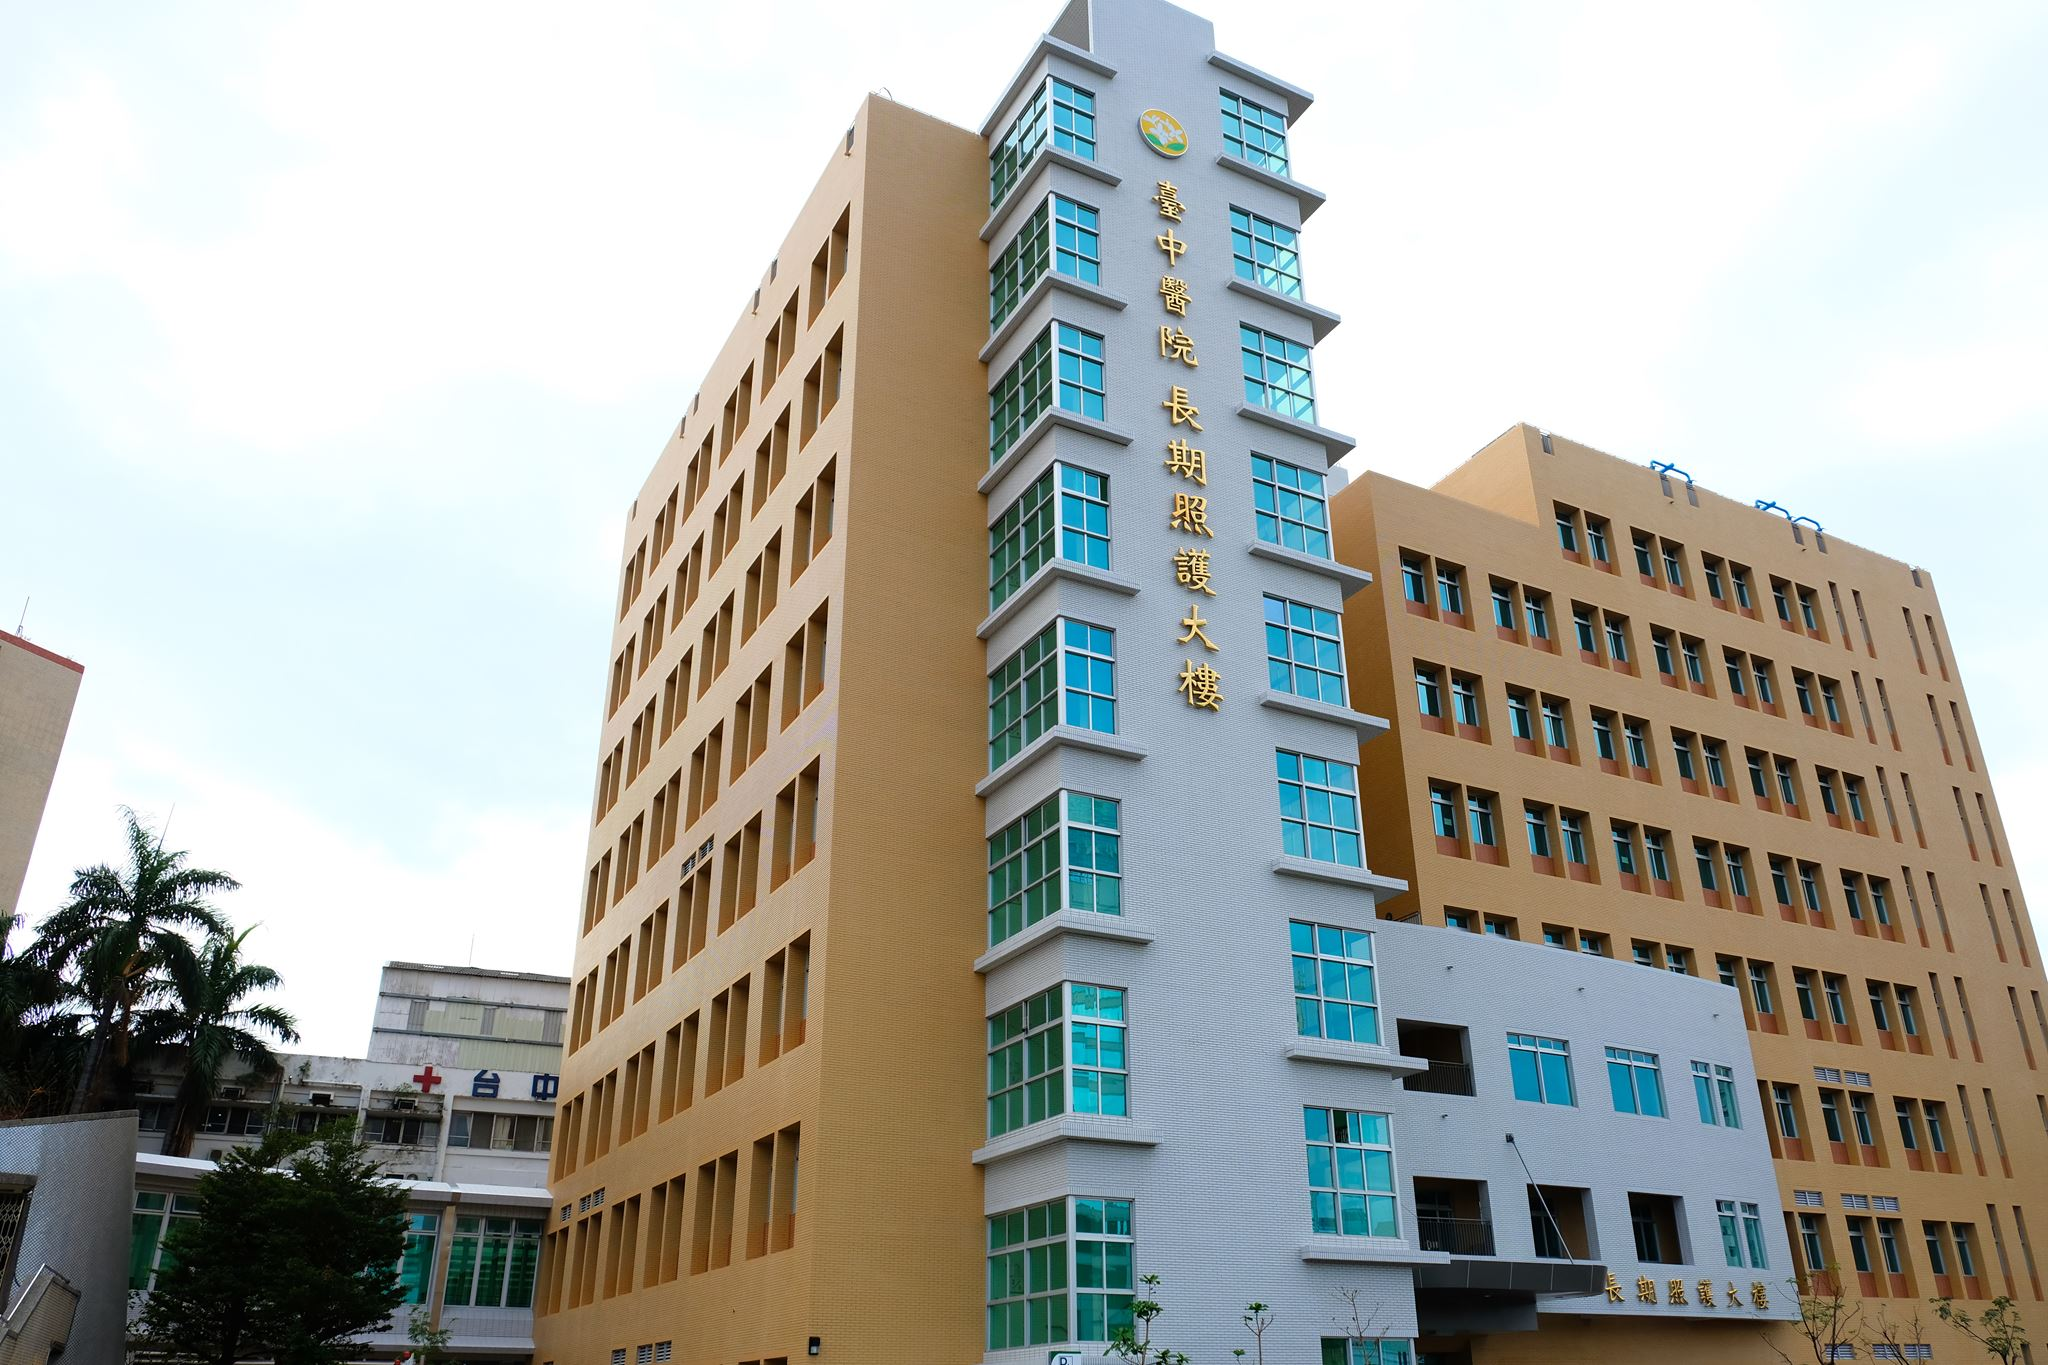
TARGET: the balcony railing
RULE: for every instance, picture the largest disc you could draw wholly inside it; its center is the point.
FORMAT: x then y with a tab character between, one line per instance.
1457	1236
1442	1078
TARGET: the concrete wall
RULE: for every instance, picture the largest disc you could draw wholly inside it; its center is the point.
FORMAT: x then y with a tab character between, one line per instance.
82	1171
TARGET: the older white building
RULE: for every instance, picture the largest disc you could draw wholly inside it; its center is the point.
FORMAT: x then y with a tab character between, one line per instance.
456	1098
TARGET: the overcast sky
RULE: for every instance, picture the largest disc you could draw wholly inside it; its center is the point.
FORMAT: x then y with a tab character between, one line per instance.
334	342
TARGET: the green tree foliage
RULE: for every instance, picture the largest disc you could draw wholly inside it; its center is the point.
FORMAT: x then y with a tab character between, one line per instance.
290	1259
1997	1330
138	965
111	943
205	1018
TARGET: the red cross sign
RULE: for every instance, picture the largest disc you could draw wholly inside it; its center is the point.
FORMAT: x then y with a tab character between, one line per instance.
427	1079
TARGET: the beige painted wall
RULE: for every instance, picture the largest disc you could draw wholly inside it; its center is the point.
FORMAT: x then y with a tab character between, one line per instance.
37	690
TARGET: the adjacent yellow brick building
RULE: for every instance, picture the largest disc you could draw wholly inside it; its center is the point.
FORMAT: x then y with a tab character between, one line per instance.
1635	718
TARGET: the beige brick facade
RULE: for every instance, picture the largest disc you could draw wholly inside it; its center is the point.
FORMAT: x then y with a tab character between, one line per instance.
1919	913
753	1147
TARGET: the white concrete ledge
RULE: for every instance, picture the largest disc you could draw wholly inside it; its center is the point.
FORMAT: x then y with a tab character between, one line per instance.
1370	1251
1059	737
1321	321
1082	923
1042	161
1309	200
1050	571
1353	1054
1368	727
1040	425
1048	282
1312	870
1351	579
1335	443
1048	46
1298	99
1066	1128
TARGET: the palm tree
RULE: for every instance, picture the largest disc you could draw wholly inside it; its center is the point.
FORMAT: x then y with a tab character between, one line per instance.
112	940
205	1015
39	1037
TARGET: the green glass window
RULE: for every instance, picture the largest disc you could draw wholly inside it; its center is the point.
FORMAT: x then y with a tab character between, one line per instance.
146	1228
1059	112
1060	1051
1276	373
1334	992
1026	1063
1024	391
1304	653
1265	252
1063	365
1351	1174
1103	1276
1064	854
1023	696
1255	133
491	1263
1290	507
1065	675
1060	1272
1319	809
416	1262
1367	1351
1063	236
1636	1082
154	1218
1541	1069
1064	511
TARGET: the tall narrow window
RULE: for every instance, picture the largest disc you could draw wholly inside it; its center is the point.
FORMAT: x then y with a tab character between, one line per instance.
1319	809
1276	373
1714	1088
1304	651
1335	995
1635	1081
1254	133
1265	252
1351	1174
1288	506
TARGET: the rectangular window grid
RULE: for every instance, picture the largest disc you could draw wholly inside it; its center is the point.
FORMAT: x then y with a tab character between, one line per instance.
1064	236
1254	133
1289	506
1064	113
1350	1173
1319	809
1276	373
1064	855
1047	1285
1044	1061
1335	995
1265	252
1541	1068
1304	653
1072	522
1636	1082
1063	365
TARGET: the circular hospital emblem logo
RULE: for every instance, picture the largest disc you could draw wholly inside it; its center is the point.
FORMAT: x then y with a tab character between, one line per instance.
1163	133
